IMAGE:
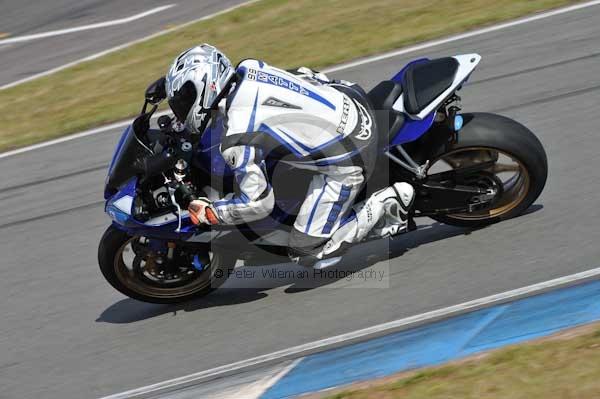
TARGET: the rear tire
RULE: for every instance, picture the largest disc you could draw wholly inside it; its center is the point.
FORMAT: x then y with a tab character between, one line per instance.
110	252
496	132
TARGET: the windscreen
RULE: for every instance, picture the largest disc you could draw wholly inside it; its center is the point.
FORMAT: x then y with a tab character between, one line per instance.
128	158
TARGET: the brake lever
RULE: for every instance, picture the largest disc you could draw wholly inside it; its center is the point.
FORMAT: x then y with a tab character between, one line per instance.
171	190
172	196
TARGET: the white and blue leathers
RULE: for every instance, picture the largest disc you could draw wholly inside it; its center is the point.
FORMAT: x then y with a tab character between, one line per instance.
310	122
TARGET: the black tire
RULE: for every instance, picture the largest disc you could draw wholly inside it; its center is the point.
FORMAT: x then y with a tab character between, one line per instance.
510	137
110	247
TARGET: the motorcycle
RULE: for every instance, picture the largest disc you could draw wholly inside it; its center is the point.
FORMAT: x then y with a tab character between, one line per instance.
468	169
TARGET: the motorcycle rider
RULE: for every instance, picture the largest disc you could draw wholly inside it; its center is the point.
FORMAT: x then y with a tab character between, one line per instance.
301	118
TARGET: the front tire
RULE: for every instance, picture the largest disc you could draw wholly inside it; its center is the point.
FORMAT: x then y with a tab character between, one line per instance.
484	134
135	283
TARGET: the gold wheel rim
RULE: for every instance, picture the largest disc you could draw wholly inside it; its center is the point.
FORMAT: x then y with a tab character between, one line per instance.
515	188
129	278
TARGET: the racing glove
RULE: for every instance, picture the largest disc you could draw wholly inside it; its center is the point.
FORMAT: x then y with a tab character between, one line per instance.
201	211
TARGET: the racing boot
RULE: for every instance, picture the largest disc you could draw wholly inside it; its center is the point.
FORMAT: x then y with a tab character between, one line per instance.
384	213
397	217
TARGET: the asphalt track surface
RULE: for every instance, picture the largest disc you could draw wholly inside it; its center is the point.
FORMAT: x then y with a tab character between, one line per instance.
19	18
64	333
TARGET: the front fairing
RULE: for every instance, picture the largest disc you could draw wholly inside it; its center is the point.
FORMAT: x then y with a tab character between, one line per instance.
121	187
120	207
121	200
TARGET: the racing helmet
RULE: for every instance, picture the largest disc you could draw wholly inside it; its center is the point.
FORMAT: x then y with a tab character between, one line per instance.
194	83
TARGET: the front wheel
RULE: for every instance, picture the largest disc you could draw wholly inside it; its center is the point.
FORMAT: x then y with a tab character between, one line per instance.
509	159
152	272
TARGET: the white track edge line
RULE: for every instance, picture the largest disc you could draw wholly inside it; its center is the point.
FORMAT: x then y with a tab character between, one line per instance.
122	46
59	32
74	136
333	69
365	332
461	36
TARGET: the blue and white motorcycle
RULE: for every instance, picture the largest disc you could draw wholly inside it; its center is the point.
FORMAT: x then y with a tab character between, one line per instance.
468	169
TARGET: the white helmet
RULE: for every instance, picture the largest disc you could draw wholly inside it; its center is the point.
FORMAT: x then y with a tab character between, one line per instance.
196	79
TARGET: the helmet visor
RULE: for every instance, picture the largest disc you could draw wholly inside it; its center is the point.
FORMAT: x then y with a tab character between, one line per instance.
183	100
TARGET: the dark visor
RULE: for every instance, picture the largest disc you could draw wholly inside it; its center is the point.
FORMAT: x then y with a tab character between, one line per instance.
183	100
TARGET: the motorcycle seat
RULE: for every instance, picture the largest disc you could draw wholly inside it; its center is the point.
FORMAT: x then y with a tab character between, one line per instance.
425	81
382	98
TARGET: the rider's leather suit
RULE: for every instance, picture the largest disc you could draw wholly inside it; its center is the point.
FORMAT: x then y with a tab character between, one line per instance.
309	121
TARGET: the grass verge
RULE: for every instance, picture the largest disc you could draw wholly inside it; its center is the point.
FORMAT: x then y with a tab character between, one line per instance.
562	367
315	33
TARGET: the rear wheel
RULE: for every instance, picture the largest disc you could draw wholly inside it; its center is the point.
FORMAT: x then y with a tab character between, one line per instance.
507	159
136	267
